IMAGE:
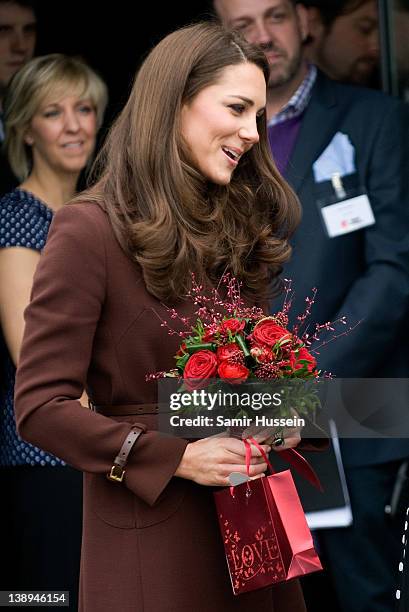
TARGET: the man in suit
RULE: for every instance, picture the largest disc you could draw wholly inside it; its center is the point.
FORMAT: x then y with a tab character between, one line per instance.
334	142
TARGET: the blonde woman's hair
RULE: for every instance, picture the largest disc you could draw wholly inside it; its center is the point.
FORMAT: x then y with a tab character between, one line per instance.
31	85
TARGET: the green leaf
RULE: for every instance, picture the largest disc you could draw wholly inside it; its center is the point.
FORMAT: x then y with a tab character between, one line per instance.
241	343
201	346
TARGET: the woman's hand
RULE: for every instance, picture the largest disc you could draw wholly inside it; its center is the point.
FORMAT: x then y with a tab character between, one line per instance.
210	461
290	436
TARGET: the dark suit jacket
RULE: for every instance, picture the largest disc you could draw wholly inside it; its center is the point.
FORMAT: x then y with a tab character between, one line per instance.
363	275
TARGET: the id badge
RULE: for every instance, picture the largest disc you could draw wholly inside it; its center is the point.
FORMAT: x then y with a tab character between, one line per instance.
348	211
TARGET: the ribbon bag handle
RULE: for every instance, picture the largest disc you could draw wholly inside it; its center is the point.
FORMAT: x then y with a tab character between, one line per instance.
263	454
293	457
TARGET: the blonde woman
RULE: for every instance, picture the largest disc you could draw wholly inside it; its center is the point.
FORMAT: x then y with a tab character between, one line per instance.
52	111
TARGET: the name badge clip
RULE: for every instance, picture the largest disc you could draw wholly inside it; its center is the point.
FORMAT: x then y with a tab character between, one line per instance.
338	186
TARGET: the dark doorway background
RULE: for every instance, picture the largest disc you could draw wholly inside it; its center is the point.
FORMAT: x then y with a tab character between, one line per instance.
112	37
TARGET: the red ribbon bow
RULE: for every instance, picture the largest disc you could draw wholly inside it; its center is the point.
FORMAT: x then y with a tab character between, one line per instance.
293	457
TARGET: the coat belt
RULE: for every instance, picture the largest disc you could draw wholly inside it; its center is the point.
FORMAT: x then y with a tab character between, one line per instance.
119	410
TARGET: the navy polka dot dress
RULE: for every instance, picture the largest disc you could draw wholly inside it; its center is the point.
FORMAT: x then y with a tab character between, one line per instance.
24	222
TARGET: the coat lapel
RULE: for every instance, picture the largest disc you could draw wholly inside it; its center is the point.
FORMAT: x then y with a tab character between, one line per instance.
320	122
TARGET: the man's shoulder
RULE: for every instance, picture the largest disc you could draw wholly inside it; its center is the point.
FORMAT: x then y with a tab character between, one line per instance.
354	97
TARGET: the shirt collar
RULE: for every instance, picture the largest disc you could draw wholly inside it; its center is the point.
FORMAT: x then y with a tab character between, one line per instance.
298	101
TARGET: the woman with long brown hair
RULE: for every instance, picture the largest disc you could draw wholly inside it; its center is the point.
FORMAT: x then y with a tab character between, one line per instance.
186	185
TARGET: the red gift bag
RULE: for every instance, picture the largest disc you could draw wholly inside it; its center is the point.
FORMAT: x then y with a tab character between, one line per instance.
265	533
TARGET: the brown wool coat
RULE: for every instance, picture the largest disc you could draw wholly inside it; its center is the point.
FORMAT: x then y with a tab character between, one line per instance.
150	544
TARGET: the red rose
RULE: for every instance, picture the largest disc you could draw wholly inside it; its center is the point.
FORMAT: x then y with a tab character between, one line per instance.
302	354
233	325
208	336
200	366
262	354
228	351
268	333
234	371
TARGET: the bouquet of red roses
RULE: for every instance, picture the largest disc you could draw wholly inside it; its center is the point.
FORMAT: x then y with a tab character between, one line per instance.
264	530
234	343
238	347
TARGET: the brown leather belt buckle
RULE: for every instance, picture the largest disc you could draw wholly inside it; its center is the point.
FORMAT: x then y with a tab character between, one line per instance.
116	474
117	471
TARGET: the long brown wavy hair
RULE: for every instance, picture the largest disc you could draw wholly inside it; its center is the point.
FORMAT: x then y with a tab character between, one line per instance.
166	216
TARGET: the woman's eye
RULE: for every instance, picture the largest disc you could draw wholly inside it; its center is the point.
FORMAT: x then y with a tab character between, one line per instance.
51	113
86	109
237	108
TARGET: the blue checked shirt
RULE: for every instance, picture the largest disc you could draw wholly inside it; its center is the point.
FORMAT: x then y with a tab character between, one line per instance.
299	101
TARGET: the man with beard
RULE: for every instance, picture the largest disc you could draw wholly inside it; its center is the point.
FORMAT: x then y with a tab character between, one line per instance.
256	20
340	143
344	39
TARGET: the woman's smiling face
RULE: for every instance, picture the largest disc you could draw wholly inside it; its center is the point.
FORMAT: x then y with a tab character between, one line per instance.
62	132
219	125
